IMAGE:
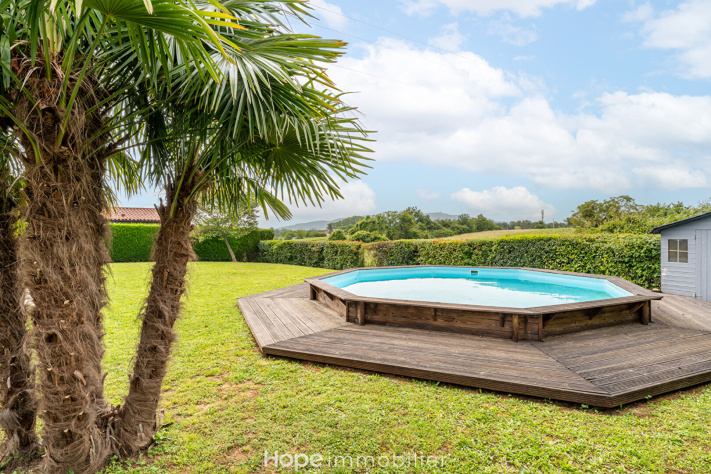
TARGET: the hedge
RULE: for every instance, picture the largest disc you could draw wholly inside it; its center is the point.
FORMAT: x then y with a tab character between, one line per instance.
133	243
333	255
634	257
215	250
266	234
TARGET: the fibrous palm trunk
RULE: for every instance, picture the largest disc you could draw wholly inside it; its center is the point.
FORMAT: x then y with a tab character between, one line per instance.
171	252
65	257
18	415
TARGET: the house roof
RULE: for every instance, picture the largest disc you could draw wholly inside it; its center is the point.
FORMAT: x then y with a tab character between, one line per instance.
659	229
147	215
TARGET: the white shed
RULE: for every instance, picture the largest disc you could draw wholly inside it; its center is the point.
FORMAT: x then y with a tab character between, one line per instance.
686	257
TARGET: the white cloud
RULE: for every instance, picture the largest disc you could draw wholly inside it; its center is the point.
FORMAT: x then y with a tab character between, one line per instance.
358	199
686	30
504	203
456	110
330	13
510	33
450	39
426	194
522	8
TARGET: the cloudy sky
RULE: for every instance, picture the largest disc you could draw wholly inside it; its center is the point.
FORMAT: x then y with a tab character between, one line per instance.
508	107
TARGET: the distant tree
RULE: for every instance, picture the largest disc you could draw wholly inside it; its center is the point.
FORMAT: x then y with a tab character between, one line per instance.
337	235
482	224
213	223
366	237
593	214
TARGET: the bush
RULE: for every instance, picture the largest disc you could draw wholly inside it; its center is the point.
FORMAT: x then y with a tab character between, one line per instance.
266	234
132	242
337	235
333	255
366	237
292	252
634	257
214	249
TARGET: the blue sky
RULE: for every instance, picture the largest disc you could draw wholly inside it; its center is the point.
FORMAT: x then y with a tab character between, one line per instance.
507	107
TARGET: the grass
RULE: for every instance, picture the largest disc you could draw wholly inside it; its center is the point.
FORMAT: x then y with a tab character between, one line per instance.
495	234
229	404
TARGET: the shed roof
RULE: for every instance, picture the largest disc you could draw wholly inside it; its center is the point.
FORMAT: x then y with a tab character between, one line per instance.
659	229
134	214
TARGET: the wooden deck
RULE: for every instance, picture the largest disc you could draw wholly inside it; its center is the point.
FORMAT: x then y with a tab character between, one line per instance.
601	367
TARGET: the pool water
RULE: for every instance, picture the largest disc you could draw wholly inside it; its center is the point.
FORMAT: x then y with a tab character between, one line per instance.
511	288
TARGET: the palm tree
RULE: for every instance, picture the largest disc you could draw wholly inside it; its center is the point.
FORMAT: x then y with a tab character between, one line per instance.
18	415
65	67
266	127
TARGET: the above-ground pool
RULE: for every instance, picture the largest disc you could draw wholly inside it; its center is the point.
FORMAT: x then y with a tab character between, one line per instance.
507	287
514	303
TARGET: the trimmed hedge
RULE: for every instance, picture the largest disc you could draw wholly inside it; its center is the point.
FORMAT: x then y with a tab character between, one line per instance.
333	255
215	250
634	257
266	234
134	242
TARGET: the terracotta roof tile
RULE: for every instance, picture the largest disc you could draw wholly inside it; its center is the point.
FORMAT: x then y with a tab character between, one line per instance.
134	214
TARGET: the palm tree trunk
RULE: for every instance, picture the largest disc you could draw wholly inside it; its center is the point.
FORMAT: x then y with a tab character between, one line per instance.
17	378
172	251
65	257
229	247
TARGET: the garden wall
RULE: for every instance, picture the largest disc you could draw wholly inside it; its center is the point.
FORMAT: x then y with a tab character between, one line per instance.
633	257
133	243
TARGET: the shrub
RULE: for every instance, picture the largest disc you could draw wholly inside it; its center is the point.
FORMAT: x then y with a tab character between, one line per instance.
132	242
366	237
292	252
266	234
337	235
634	257
335	255
341	255
214	249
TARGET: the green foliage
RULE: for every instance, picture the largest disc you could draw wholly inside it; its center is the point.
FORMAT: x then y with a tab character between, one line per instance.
132	242
215	250
335	255
344	224
299	234
622	215
341	255
337	235
366	237
634	257
292	252
392	253
266	234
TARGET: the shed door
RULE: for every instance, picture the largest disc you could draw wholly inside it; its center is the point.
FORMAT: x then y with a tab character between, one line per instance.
703	263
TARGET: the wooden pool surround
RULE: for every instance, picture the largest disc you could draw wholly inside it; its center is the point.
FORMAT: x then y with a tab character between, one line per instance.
517	324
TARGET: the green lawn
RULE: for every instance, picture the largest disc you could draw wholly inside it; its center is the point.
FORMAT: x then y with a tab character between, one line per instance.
229	404
494	234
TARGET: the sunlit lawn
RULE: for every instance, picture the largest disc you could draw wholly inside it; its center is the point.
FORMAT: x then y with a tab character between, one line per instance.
228	404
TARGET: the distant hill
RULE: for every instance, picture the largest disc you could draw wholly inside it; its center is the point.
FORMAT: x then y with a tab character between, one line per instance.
313	225
436	216
321	225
